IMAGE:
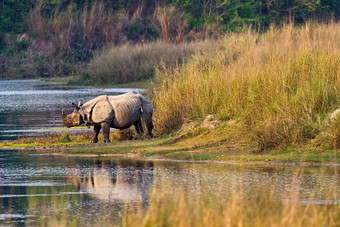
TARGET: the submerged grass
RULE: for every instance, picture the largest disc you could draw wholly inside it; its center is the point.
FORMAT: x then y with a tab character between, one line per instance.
279	86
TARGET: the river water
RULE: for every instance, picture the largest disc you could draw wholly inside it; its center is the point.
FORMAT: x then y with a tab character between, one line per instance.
38	188
42	188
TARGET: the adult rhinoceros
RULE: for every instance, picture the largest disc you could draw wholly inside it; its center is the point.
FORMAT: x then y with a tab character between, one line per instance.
119	112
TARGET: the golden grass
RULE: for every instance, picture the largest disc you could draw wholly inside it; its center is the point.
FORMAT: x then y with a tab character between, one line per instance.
128	63
279	86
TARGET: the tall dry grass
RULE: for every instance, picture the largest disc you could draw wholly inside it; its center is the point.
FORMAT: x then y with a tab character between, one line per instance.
128	63
79	30
280	86
170	23
96	25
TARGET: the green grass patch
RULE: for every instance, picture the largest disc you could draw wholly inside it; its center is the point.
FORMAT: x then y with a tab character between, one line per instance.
80	81
60	80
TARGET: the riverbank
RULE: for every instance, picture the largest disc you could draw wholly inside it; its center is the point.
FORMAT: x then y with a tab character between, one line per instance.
206	146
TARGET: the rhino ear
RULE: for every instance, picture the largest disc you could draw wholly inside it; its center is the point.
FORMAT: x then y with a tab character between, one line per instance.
80	103
75	106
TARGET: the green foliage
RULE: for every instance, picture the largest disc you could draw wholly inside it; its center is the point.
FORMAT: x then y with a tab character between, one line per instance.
13	15
141	30
231	15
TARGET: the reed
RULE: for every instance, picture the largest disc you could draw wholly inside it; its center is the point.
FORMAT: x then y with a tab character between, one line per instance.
170	23
279	86
74	31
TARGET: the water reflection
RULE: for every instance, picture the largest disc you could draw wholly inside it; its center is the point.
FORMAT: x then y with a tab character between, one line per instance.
45	189
48	189
116	180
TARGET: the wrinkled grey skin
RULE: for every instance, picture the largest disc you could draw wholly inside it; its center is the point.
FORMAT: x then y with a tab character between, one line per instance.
118	112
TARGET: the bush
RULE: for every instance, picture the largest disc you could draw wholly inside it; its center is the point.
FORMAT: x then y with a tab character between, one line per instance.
141	30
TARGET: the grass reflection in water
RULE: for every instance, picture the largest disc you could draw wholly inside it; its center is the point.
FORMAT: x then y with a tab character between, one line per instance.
55	190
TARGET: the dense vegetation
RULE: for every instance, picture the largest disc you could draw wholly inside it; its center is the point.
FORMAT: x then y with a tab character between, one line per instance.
48	38
276	89
227	15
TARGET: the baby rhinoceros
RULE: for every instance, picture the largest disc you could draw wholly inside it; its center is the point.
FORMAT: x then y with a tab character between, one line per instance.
118	112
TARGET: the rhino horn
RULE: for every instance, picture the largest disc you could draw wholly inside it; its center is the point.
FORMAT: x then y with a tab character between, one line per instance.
63	113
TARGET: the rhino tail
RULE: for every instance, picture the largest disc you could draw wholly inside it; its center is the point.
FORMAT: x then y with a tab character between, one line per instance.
146	114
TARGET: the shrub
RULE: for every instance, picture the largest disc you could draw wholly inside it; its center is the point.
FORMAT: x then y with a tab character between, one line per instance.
141	30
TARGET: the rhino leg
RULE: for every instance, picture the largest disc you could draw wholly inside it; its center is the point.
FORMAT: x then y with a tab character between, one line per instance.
96	130
148	122
139	127
106	132
150	127
147	117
